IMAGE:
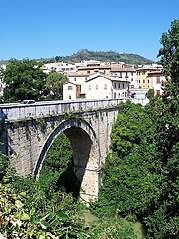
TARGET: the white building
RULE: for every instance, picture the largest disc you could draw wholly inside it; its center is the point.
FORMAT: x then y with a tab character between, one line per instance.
102	86
158	81
79	79
128	74
97	86
61	67
71	91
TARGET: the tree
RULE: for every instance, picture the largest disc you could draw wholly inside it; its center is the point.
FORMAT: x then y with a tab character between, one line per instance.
130	183
54	84
150	94
164	222
141	173
24	79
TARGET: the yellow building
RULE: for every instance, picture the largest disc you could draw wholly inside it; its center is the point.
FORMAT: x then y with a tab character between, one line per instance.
143	71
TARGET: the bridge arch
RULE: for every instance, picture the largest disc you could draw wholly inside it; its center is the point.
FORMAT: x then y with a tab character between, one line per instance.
86	154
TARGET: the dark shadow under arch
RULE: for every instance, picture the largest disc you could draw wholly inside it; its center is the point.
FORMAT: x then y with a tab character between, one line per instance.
71	127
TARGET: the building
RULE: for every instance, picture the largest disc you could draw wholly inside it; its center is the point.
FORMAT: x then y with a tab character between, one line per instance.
89	70
61	67
143	81
101	86
79	79
157	80
125	74
97	86
71	91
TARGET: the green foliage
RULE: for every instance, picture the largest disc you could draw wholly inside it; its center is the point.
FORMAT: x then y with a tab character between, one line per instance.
85	54
40	209
113	229
150	94
29	214
57	171
24	79
42	125
54	84
129	182
4	165
141	173
164	222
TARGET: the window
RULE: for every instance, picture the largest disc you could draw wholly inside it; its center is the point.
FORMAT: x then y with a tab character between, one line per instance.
74	78
88	72
123	85
131	73
143	81
143	73
139	81
158	80
131	79
119	85
119	95
69	97
148	81
70	87
105	86
114	85
115	95
120	74
96	87
158	92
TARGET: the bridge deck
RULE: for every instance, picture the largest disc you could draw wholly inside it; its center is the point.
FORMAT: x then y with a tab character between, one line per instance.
17	111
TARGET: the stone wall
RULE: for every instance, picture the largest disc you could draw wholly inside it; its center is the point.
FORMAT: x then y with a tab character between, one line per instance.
27	141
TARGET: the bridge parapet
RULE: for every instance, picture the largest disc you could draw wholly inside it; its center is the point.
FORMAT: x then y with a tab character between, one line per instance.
42	109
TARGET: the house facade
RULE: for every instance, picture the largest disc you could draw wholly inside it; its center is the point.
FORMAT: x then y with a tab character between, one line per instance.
61	67
125	74
100	86
71	91
143	81
158	81
78	79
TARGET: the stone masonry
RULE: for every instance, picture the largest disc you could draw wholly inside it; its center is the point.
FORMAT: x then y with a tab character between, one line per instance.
28	140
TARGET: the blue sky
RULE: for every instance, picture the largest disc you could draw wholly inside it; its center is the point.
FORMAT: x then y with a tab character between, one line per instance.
49	28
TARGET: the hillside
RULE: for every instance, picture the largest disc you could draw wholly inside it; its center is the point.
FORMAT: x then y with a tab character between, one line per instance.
102	56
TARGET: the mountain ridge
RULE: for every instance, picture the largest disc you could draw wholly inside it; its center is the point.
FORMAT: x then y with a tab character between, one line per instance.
109	56
105	56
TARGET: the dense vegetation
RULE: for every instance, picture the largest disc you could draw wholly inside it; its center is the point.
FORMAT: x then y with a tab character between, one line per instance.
43	209
108	56
25	79
140	176
141	173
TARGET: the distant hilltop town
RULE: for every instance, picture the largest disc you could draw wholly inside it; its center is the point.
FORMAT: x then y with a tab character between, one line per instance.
95	79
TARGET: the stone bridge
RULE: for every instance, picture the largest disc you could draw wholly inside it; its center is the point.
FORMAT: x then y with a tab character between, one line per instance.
28	131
